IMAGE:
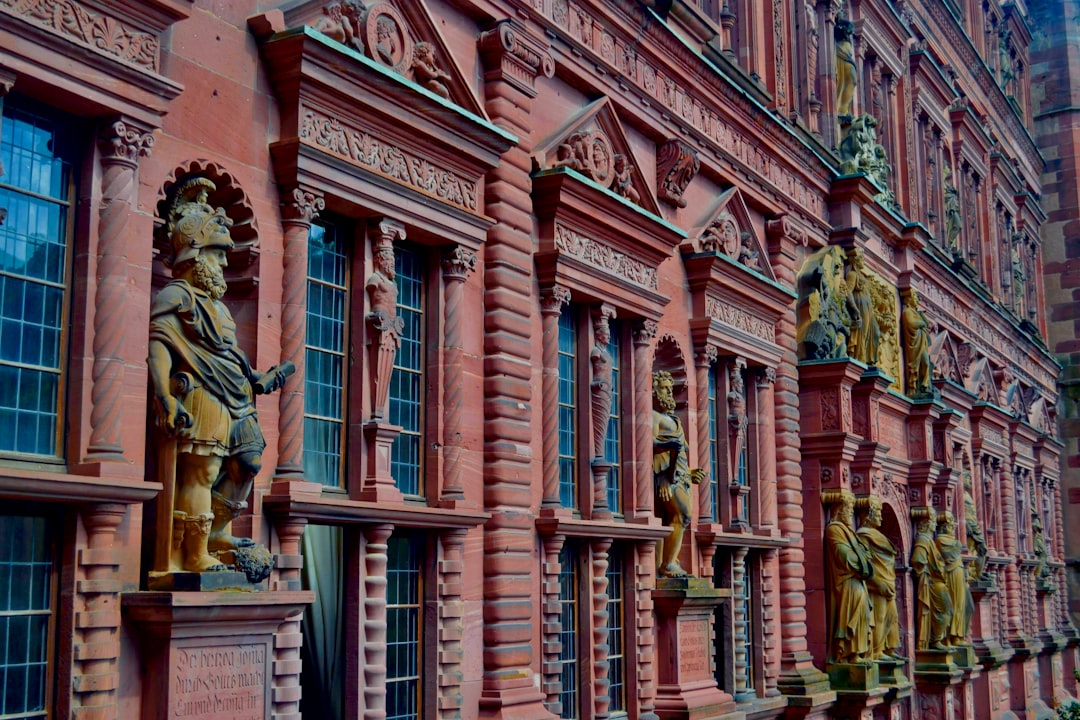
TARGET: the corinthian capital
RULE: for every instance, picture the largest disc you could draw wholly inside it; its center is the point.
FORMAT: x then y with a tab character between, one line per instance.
124	141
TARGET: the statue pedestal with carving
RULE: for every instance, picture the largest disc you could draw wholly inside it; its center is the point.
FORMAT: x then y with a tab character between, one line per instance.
212	655
379	485
937	677
686	687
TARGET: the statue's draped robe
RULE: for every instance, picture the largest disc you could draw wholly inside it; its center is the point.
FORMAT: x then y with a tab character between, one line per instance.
851	614
935	605
882	587
956	581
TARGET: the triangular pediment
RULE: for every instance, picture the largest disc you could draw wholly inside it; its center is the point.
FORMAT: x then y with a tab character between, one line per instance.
1015	399
594	145
729	231
400	36
1039	415
944	357
981	382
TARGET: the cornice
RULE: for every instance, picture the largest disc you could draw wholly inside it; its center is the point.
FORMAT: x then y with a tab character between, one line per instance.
336	509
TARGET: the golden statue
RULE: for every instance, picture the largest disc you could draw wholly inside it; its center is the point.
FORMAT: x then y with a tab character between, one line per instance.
864	333
848	567
825	306
916	330
882	586
672	474
846	73
203	396
934	610
948	544
976	541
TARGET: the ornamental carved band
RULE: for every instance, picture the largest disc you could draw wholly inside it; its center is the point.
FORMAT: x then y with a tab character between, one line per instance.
740	319
99	31
364	150
604	258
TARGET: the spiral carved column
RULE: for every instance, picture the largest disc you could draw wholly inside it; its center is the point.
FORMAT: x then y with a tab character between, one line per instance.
297	214
643	332
122	143
601	647
375	621
552	302
766	455
457	264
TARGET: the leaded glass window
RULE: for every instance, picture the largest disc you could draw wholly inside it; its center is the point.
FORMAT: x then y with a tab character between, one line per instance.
616	608
568	409
36	204
26	611
569	675
714	448
404	643
407	382
613	439
325	360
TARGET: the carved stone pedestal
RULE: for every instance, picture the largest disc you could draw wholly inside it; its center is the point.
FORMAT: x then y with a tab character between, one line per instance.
201	582
686	688
937	678
211	655
844	676
379	484
858	690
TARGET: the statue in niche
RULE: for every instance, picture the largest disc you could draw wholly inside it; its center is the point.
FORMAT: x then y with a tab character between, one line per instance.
953	220
602	389
825	306
426	73
1018	275
386	327
916	346
1005	57
204	390
623	183
672	474
864	333
948	545
976	541
934	610
848	567
881	585
843	34
1038	544
748	256
341	21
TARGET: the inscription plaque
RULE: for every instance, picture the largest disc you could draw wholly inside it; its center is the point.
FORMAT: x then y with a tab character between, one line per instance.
694	650
220	681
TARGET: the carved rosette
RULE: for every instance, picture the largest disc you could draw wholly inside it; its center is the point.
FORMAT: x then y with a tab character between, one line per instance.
457	264
122	143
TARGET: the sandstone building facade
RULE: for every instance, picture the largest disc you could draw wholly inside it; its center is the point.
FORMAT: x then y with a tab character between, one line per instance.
479	229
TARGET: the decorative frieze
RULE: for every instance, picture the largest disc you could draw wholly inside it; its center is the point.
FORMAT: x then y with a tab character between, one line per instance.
604	257
740	319
364	150
99	31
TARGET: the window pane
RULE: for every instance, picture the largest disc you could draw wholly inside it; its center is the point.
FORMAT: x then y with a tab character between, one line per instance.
612	440
34	193
403	629
26	598
714	465
568	630
407	382
616	634
324	372
567	409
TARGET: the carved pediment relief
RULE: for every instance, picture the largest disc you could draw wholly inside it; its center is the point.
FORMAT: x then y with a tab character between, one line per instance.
1039	416
729	231
980	381
594	145
943	355
401	37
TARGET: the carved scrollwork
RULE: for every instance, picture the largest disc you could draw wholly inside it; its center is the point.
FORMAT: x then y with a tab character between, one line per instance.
676	165
121	141
95	29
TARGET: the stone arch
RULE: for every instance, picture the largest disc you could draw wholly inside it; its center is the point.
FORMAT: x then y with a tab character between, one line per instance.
230	196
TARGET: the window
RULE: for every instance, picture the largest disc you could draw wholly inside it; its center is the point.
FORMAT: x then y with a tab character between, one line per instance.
568	633
26	611
616	608
730	409
325	362
403	627
613	439
568	408
407	382
714	448
36	192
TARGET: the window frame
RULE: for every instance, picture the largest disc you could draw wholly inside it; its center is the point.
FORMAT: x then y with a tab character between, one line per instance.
424	313
419	550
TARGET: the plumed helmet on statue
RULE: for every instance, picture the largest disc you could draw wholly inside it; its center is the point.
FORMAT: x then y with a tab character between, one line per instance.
191	220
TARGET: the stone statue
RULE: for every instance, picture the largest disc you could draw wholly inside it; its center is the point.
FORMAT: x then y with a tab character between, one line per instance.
976	541
933	611
848	567
1038	544
916	346
342	22
426	72
956	580
203	393
824	306
953	220
748	256
601	385
882	585
846	73
623	183
671	473
864	333
386	326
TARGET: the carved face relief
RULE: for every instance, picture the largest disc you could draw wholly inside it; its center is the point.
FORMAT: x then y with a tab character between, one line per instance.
387	40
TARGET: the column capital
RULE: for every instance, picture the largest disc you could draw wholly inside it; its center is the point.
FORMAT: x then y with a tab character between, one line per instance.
386	231
553	299
458	262
644	331
125	141
301	205
513	55
707	355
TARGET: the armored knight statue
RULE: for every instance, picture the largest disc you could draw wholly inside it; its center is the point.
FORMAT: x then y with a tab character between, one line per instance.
203	394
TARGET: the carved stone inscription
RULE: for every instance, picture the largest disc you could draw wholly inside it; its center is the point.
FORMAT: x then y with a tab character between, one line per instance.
604	258
363	149
220	681
694	651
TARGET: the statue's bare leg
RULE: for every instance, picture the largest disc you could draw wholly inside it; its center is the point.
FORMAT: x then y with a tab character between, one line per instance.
194	479
230	498
680	518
